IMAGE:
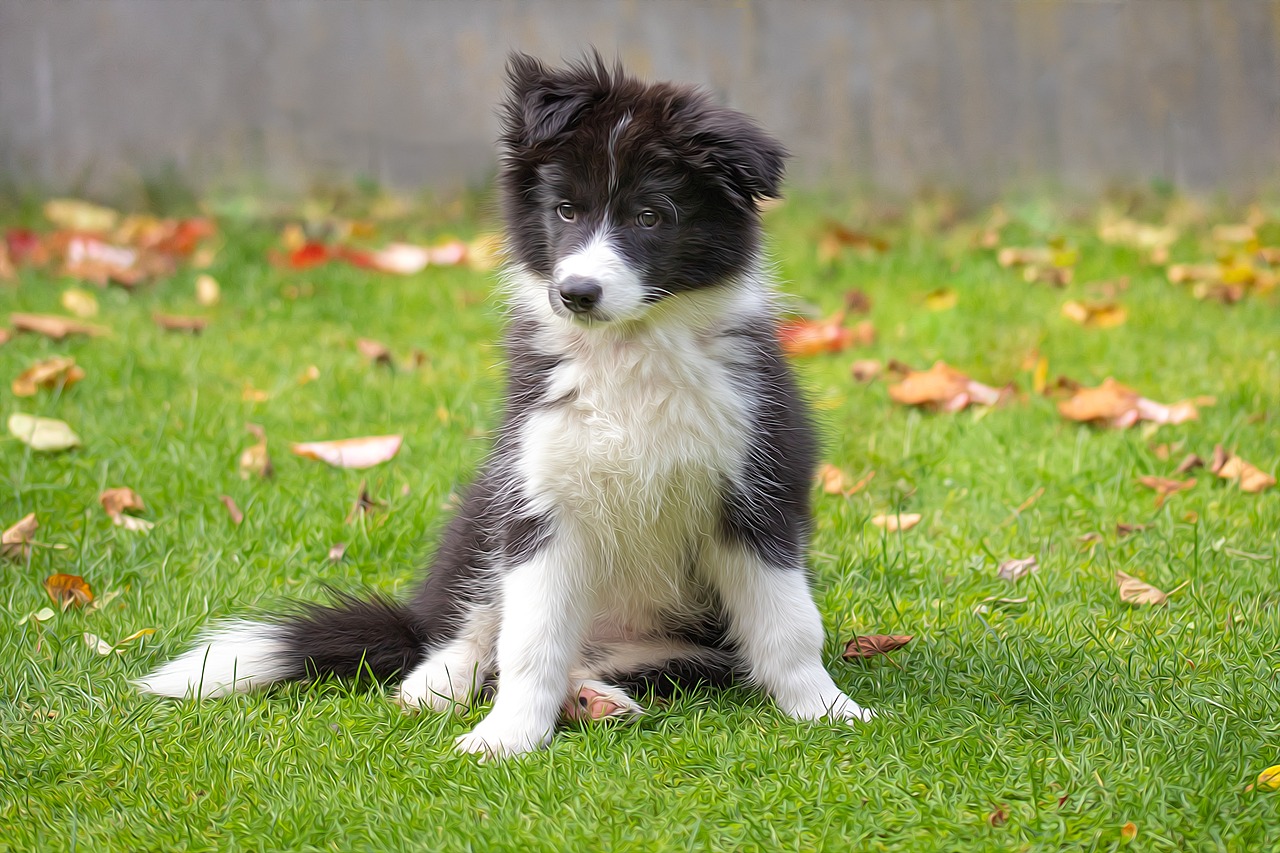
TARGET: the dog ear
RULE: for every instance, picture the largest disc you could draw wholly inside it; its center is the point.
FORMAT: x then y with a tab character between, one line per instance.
745	159
542	103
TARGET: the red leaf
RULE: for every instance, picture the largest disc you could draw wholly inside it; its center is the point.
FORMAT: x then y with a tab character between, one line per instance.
871	645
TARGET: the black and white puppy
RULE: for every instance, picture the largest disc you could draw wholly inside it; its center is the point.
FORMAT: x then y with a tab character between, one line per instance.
643	517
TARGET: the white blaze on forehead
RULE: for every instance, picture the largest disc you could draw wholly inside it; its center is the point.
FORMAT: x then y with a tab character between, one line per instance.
599	260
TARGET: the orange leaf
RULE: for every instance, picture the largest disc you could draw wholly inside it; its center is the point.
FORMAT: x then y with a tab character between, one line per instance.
352	452
1251	478
59	371
807	337
942	387
865	370
895	523
1096	315
1164	486
53	327
68	590
872	645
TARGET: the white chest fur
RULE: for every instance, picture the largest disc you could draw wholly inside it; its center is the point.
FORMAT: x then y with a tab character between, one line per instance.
632	462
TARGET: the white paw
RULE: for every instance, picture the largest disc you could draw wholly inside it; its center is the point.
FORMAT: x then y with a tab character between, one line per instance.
835	706
439	685
595	700
500	737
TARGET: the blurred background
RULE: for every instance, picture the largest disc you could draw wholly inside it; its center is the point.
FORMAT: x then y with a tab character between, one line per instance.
972	96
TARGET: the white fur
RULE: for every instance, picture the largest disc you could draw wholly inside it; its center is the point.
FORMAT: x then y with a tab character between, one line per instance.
235	657
450	677
622	295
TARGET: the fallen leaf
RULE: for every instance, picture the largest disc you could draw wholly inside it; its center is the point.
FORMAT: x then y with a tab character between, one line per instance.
98	644
894	523
1095	315
1123	529
942	387
337	551
997	603
1050	275
25	247
179	323
399	258
942	299
7	272
872	645
835	482
82	303
311	374
254	460
141	632
44	614
808	337
208	292
1014	570
857	302
1231	467
1164	487
1138	593
61	371
1269	779
15	543
1118	230
1119	406
999	817
1090	539
121	500
68	590
1128	832
1241	233
234	511
53	327
1190	462
837	237
101	263
374	351
351	452
102	601
42	434
865	370
364	504
76	215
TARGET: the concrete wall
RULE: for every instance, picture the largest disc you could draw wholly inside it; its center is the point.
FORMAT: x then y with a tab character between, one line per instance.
895	94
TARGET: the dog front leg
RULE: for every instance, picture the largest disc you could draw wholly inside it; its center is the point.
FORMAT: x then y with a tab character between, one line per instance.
540	638
778	631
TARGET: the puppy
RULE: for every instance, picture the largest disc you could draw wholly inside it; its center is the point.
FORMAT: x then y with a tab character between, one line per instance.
642	519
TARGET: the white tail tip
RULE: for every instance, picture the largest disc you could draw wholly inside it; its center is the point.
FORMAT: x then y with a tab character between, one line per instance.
233	658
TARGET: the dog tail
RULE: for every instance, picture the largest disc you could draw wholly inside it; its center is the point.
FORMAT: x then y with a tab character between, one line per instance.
349	638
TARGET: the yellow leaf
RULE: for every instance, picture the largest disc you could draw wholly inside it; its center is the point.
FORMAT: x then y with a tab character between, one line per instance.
1128	832
1269	779
82	303
1095	315
942	299
59	371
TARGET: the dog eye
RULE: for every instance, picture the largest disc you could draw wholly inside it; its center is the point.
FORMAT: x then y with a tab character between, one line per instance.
566	211
647	219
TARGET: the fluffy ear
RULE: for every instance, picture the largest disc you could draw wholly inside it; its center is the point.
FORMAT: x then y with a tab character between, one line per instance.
746	160
542	103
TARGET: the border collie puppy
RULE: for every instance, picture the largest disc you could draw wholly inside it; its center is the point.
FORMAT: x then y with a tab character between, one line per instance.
642	519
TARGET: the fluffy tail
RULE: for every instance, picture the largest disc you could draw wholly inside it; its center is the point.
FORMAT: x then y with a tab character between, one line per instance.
350	638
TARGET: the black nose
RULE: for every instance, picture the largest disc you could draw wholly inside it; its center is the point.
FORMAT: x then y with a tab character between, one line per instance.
580	294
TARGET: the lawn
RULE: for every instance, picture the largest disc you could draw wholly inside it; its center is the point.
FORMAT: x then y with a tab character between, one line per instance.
1068	720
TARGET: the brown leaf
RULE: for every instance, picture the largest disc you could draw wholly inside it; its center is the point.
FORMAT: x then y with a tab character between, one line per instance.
352	452
897	522
1119	406
337	551
1138	593
180	323
68	590
53	327
857	302
364	504
61	371
837	237
15	543
836	482
1095	315
1164	487
1123	529
999	817
1014	570
865	369
1190	462
1251	478
232	510
807	337
254	460
374	351
872	645
942	387
116	502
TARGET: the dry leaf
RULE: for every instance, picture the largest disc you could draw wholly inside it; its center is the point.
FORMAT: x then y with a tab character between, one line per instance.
82	303
15	543
254	461
809	337
73	214
1128	832
1123	529
68	590
44	614
1120	406
1241	233
1228	466
1136	592
871	645
857	302
43	434
399	258
999	817
60	371
179	323
208	292
352	452
1164	487
337	551
101	263
311	374
374	351
102	647
836	237
53	327
1095	315
234	511
1014	570
364	504
942	299
835	482
942	387
102	601
995	602
1190	462
894	523
121	500
865	370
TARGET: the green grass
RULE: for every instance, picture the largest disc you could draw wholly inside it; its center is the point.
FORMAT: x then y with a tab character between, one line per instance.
1074	713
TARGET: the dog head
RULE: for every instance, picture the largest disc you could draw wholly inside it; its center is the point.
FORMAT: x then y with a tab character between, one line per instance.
618	194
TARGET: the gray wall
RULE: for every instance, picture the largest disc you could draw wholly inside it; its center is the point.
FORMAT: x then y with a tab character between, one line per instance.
894	94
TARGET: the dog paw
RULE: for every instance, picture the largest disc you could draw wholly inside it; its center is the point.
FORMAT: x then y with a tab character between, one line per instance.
436	686
832	707
595	700
495	739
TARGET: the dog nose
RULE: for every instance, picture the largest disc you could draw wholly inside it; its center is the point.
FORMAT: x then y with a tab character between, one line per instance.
580	294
